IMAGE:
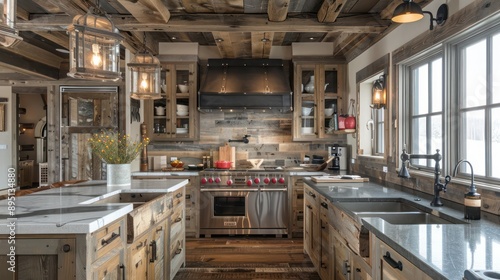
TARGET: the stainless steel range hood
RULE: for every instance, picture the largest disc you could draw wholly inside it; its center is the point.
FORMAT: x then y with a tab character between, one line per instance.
242	84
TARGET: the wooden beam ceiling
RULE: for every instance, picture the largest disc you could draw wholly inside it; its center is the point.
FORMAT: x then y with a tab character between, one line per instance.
330	10
277	10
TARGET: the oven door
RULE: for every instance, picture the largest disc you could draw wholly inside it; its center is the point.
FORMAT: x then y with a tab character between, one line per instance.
233	209
273	208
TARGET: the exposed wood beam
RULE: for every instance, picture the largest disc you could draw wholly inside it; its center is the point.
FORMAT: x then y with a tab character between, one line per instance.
223	23
146	10
277	10
21	64
278	39
213	6
36	54
69	7
59	38
330	10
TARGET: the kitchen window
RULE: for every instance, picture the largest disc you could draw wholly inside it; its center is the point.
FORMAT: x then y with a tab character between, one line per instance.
479	102
451	102
424	100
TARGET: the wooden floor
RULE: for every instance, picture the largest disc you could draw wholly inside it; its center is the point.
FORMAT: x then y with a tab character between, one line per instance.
249	258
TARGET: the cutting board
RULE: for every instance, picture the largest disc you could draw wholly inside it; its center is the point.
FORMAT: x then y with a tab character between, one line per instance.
337	179
228	153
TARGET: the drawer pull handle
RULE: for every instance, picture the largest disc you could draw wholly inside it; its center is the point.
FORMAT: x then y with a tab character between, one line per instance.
179	195
113	236
122	267
392	262
158	229
178	219
154	257
346	268
312	194
324	205
178	251
309	206
66	248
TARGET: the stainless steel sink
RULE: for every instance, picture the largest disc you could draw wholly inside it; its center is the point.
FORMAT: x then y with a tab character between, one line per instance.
397	212
410	218
136	198
379	206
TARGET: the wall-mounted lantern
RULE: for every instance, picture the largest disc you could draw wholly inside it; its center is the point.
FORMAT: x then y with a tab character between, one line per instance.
379	93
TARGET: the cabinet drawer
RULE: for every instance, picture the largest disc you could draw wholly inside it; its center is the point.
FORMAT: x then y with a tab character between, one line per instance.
311	196
178	197
150	213
107	238
394	266
177	256
110	266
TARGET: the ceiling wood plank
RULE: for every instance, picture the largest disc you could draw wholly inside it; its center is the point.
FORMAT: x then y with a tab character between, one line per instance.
277	10
223	42
278	38
261	44
71	8
60	38
223	23
342	42
213	6
36	54
330	10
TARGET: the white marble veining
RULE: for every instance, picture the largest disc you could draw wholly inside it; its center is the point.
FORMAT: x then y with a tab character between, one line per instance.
69	209
443	251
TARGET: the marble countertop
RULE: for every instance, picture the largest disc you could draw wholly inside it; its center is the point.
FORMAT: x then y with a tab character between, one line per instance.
69	209
443	251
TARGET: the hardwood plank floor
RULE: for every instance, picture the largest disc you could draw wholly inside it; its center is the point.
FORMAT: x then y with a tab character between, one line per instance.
249	258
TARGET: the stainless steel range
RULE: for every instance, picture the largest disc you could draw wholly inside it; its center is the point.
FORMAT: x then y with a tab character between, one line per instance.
243	202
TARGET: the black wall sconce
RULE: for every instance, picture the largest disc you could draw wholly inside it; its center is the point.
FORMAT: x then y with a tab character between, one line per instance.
409	11
379	93
24	126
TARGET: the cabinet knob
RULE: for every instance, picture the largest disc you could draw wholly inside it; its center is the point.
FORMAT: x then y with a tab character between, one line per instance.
66	248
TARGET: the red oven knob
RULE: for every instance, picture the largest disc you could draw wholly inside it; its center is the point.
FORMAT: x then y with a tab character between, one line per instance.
281	180
203	180
229	182
266	180
274	180
217	180
211	180
256	180
249	182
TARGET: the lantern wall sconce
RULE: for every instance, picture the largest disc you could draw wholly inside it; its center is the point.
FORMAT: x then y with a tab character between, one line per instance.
145	75
94	47
8	35
409	11
379	93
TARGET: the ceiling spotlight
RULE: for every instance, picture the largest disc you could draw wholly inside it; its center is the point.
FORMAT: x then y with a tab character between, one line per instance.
265	40
174	38
409	11
311	38
219	40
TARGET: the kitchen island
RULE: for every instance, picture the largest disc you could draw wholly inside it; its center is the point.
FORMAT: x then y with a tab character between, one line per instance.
85	231
436	250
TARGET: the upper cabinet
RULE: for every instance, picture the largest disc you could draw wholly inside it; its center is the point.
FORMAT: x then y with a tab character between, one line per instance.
318	89
174	117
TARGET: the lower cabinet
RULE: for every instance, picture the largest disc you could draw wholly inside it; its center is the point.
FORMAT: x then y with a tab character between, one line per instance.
393	266
177	243
110	267
312	229
38	257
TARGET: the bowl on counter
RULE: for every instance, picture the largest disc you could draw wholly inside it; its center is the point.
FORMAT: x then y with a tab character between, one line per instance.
256	162
177	164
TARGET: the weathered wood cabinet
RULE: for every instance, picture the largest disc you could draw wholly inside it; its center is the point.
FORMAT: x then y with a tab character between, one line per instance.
297	206
318	85
175	116
177	241
312	228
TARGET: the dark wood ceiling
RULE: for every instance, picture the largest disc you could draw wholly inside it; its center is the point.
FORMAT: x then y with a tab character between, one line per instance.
239	28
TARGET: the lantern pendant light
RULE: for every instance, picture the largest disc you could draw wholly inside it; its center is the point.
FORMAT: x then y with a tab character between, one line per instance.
94	47
8	35
379	94
145	75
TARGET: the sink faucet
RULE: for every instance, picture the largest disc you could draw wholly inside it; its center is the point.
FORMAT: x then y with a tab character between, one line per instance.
472	187
438	186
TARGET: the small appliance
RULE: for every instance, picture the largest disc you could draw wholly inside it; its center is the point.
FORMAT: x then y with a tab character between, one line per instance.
340	154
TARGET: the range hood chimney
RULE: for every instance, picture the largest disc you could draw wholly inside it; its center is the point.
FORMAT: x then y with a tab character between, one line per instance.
244	84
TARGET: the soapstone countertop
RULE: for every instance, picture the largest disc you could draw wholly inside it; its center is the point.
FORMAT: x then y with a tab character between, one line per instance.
69	209
443	251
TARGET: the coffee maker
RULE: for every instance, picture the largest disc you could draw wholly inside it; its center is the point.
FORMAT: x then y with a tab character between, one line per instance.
340	154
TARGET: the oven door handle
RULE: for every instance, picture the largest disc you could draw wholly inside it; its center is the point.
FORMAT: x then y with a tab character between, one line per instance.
229	190
274	190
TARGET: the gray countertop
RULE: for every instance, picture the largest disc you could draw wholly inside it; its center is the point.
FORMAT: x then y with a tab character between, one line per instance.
69	209
443	251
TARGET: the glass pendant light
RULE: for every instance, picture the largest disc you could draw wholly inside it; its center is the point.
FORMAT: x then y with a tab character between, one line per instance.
145	75
8	35
94	47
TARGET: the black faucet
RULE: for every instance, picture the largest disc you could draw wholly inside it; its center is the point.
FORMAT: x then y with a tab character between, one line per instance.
244	140
438	186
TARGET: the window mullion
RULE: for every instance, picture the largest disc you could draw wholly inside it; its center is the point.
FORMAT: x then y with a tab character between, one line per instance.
489	100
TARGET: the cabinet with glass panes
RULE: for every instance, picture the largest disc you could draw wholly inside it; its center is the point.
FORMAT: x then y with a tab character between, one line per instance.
318	89
174	117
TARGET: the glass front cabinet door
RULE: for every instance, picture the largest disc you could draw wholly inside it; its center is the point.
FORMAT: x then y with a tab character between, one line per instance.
174	117
318	102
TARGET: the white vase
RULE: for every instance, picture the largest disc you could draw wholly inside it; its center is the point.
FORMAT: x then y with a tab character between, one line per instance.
118	175
310	85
